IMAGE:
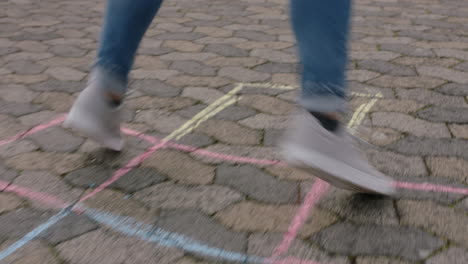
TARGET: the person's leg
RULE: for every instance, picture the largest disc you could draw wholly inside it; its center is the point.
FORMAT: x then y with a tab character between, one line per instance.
316	142
321	30
125	23
96	112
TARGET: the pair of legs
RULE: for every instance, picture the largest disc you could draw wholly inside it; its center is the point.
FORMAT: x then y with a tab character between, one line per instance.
321	29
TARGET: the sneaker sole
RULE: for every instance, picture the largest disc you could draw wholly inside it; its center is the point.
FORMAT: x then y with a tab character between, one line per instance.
337	173
71	123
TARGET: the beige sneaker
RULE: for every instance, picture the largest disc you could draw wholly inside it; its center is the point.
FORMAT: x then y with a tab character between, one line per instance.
93	116
332	157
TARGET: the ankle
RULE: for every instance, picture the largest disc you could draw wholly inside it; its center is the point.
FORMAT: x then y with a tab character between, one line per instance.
329	121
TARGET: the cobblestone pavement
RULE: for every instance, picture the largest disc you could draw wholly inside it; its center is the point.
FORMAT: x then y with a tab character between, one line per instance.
219	196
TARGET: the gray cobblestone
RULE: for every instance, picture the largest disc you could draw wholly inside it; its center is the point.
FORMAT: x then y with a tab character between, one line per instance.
409	243
265	188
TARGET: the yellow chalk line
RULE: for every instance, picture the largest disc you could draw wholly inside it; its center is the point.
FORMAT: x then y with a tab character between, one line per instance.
361	112
292	87
211	110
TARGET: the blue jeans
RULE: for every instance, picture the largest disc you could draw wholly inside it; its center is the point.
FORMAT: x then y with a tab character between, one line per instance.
321	29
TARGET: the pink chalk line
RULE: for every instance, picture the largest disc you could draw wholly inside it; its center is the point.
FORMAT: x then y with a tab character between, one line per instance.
429	187
313	196
33	130
232	158
317	190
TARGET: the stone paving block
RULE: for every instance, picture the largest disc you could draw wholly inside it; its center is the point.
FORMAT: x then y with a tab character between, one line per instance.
25	67
56	101
243	75
453	53
59	163
197	140
193	68
67	51
121	204
274	55
205	95
272	67
89	176
276	45
360	208
38	118
265	121
373	55
233	61
272	137
414	61
56	139
158	74
149	62
374	260
454	89
361	75
252	217
378	136
288	173
462	67
267	104
110	248
23	79
394	164
408	124
255	152
430	97
17	94
210	199
386	68
407	82
185	56
191	111
443	221
16	224
161	120
9	202
214	31
443	73
351	239
407	50
17	109
226	50
42	181
265	244
155	88
198	226
65	74
235	113
7	174
180	167
452	255
423	35
150	102
17	147
230	132
68	228
431	147
403	106
445	114
257	184
198	81
459	131
179	36
53	85
33	252
254	35
137	179
9	127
